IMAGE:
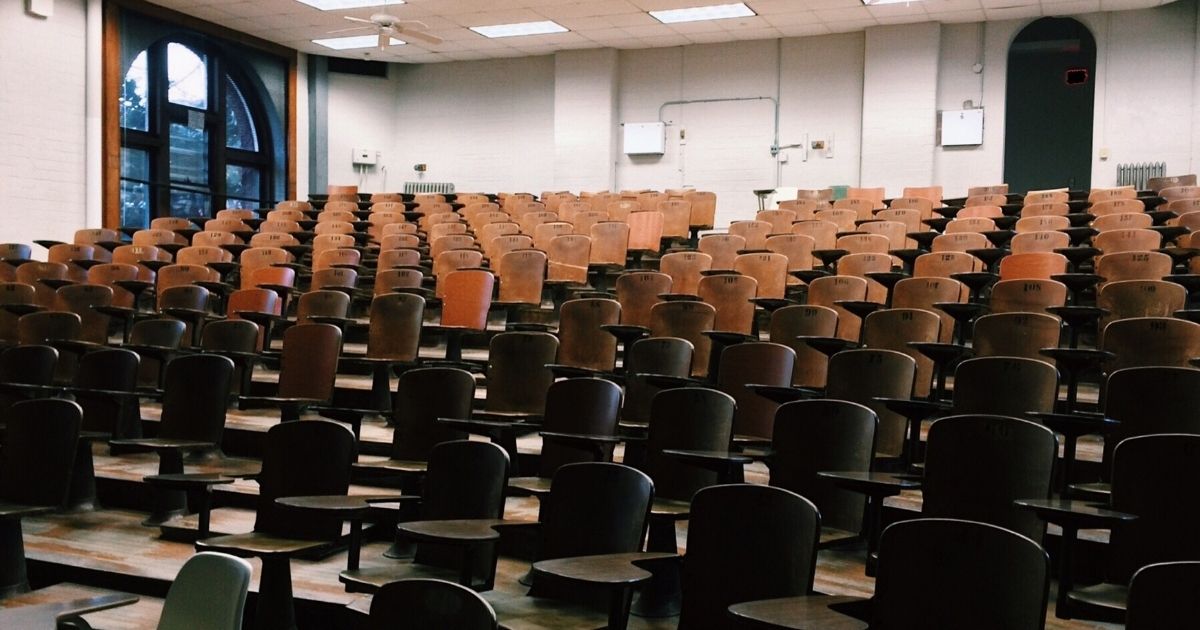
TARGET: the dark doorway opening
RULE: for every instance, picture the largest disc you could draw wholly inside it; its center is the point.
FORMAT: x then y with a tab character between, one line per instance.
1049	106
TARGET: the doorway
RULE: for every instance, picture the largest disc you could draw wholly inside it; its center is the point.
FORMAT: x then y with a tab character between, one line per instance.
1050	99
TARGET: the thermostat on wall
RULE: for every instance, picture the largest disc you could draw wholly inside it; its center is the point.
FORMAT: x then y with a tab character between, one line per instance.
645	138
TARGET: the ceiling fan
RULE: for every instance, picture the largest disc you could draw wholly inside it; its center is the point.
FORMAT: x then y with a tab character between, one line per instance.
389	26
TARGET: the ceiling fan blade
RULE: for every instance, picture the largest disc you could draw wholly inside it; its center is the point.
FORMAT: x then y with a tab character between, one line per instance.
413	24
418	35
348	30
357	19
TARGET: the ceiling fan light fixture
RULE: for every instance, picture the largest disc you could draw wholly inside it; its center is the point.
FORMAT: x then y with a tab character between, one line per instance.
357	41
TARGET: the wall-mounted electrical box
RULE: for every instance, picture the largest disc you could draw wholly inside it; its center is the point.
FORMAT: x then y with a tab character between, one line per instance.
645	138
40	8
365	157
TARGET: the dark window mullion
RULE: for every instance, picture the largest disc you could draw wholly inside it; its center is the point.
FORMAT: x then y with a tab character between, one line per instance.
160	160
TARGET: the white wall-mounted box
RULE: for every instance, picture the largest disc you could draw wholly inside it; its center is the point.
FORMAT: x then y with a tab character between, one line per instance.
365	157
962	127
645	138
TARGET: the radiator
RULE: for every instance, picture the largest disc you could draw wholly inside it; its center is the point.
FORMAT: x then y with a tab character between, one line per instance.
437	188
1139	174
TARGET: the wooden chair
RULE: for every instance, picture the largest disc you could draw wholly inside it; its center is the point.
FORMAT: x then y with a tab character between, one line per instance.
195	391
610	246
689	419
1038	266
393	341
649	359
1151	341
423	395
46	327
1027	296
1147	519
1046	209
770	272
823	233
522	274
323	307
593	509
238	341
578	425
830	290
755	233
40	442
465	305
926	293
704	209
307	370
452	261
685	269
20	298
567	259
862	376
756	363
464	481
686	320
959	242
32	274
796	247
428	604
1038	241
724	566
1121	222
1015	334
517	375
862	208
77	258
645	232
299	459
638	291
791	322
1139	298
898	329
1132	265
583	344
722	249
1159	596
112	275
730	295
811	436
80	299
1017	566
1127	240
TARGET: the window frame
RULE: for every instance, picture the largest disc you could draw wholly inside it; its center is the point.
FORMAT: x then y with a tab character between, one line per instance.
161	113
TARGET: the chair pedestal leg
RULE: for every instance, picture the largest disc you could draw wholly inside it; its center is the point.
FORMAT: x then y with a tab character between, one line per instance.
662	595
275	610
381	386
13	578
167	503
82	494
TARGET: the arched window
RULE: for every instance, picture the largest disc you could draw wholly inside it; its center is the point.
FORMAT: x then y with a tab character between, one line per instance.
194	137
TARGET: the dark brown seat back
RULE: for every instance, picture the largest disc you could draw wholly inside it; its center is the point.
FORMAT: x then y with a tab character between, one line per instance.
976	466
746	542
817	435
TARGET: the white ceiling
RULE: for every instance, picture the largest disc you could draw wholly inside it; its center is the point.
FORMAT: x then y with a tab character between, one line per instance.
603	23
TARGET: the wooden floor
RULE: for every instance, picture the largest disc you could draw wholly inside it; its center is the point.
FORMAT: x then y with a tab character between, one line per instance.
108	542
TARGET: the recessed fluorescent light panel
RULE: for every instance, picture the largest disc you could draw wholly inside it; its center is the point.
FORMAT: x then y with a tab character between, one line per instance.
517	30
697	14
336	5
349	43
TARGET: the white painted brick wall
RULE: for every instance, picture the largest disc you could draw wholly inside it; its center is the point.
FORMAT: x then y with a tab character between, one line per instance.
585	115
899	113
42	122
485	125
